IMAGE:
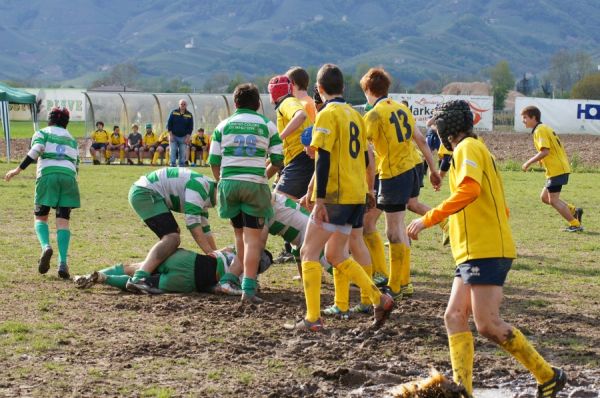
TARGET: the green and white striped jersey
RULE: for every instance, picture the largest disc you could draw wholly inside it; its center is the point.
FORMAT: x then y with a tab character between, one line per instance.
242	143
290	220
56	151
184	191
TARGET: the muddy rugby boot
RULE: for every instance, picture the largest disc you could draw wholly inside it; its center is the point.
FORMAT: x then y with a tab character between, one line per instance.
396	296
307	326
572	228
141	287
551	388
251	299
44	261
407	290
362	309
228	288
63	271
578	214
383	311
87	281
336	312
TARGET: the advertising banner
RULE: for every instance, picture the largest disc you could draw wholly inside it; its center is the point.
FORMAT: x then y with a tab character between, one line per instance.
422	106
564	116
47	98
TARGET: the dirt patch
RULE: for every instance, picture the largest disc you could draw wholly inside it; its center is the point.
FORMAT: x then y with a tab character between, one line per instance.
204	345
583	149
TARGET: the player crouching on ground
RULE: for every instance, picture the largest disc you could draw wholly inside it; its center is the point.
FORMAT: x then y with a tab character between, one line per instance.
56	186
184	271
483	248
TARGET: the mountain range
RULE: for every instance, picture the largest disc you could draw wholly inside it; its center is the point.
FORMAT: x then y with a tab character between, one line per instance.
74	42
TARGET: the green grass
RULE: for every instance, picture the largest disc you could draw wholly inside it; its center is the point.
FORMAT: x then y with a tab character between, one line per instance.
24	129
555	271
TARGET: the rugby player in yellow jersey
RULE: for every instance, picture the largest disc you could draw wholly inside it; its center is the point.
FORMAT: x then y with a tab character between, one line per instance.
300	80
161	147
340	196
483	249
291	122
552	156
99	141
391	128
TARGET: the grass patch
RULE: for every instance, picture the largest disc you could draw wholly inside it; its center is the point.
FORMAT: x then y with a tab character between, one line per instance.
24	129
158	392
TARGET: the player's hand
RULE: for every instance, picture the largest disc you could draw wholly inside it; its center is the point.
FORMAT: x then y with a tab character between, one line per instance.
306	202
436	180
319	213
525	166
371	201
11	173
414	228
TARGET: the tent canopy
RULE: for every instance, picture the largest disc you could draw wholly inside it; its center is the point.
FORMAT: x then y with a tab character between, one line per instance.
15	96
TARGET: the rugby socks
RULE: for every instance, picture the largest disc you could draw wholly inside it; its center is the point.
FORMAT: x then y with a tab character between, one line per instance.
405	270
193	157
396	266
119	281
121	155
341	285
571	208
377	252
249	286
574	223
114	270
43	233
462	351
357	274
311	280
518	346
364	297
139	275
155	157
63	237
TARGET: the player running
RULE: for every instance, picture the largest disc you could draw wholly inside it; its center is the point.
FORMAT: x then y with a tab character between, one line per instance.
483	248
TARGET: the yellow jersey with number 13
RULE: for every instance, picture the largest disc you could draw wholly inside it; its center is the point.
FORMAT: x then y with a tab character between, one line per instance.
340	130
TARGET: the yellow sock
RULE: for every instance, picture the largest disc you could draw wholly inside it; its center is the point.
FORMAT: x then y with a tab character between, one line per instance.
571	209
364	297
155	157
357	274
204	157
520	348
462	352
341	284
311	279
405	271
193	156
396	266
121	155
574	223
107	154
377	252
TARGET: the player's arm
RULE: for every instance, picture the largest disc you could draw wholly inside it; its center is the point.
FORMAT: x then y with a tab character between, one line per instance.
466	192
205	241
299	118
322	167
539	156
434	176
38	145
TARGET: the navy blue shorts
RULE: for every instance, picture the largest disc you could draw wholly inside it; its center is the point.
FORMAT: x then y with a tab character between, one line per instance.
398	190
484	271
346	214
99	145
296	176
554	184
421	170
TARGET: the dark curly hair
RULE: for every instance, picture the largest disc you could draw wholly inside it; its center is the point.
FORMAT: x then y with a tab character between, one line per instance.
59	117
452	118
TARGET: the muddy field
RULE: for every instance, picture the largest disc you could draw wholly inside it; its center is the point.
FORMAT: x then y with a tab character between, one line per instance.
57	341
584	149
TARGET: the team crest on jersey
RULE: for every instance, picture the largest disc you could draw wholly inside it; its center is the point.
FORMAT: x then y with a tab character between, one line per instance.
322	130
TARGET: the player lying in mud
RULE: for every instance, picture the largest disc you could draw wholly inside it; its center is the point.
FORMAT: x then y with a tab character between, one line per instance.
184	271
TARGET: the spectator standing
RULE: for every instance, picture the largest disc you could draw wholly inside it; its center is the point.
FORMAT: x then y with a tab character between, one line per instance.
180	126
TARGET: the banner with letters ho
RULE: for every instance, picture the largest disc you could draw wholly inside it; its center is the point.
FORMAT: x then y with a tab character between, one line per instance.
47	98
422	106
564	116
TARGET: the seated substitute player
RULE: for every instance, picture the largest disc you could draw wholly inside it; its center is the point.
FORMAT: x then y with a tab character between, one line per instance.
483	249
184	271
149	143
239	148
116	142
340	195
56	186
161	147
154	196
134	144
391	127
99	141
553	157
198	147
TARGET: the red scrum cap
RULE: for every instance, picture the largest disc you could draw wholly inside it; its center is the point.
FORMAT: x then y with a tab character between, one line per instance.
279	87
